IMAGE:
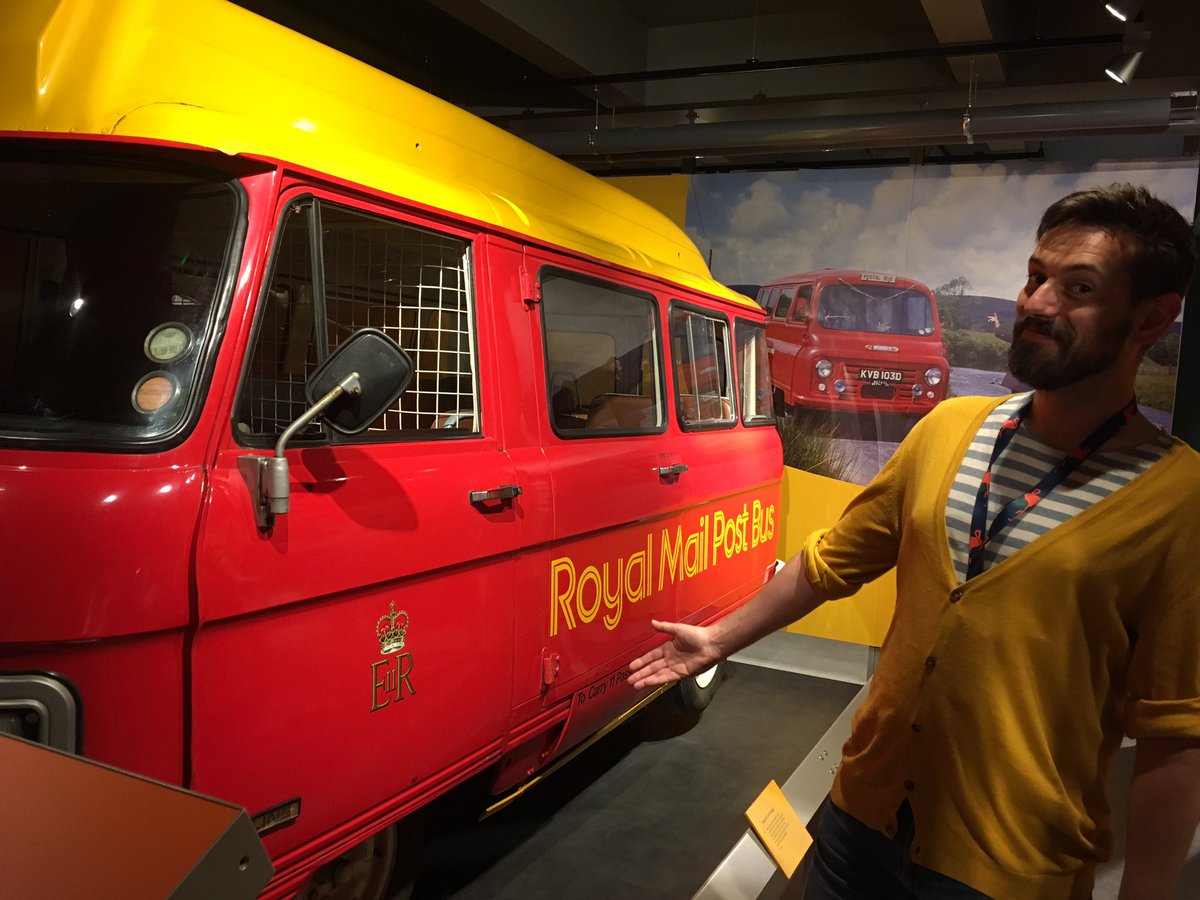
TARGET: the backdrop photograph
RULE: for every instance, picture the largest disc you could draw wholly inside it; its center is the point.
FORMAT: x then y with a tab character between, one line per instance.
917	266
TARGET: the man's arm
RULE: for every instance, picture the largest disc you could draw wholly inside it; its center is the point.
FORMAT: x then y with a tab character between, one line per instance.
861	546
784	599
1164	808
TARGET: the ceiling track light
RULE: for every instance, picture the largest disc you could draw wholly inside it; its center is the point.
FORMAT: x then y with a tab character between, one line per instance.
1122	68
1123	10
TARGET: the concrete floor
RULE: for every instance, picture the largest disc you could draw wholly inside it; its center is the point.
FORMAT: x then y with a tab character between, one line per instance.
648	811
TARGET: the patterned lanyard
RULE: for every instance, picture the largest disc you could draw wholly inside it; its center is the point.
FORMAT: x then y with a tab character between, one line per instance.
1022	504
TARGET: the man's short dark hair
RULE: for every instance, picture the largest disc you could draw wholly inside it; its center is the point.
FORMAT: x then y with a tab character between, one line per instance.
1164	251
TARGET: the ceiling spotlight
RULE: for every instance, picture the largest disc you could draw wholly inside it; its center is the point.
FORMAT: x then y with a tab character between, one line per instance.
1123	10
1121	68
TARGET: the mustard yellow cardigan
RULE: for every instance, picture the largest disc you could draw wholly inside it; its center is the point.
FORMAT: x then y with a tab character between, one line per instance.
998	705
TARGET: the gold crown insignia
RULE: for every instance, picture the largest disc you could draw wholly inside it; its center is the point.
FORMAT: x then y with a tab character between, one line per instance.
390	632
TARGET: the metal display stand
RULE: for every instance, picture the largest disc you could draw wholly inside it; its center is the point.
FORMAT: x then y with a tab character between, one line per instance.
73	828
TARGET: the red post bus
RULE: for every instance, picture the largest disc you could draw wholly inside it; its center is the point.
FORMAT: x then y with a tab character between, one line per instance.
348	444
847	340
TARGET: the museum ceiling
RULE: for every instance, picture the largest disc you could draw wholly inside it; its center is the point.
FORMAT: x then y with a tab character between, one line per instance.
661	86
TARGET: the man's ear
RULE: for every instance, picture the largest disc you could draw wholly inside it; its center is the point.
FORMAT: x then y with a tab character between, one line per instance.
1153	317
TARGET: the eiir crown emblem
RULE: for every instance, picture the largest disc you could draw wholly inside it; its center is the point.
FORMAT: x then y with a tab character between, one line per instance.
390	629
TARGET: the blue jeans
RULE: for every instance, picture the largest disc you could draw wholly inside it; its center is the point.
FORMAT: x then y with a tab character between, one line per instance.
850	861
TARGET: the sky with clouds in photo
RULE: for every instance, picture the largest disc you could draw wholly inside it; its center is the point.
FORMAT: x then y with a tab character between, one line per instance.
931	223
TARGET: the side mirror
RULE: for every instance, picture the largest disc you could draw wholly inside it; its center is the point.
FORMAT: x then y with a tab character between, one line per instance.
384	371
355	385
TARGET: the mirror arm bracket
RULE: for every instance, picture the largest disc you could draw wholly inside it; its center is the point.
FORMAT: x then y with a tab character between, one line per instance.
348	385
267	477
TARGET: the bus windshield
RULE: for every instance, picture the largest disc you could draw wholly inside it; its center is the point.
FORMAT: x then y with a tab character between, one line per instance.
108	291
875	308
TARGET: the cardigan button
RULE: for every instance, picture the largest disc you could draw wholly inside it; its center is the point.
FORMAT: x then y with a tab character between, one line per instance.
908	785
930	662
956	595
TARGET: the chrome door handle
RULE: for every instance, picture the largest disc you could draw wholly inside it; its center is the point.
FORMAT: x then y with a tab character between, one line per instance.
504	492
668	471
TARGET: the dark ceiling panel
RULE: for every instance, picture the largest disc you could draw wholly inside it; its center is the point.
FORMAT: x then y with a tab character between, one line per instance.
821	70
420	44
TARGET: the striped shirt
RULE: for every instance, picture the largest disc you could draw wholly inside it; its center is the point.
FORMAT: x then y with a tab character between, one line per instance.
1018	469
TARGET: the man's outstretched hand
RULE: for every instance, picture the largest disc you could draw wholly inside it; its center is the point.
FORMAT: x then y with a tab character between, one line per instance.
690	650
785	598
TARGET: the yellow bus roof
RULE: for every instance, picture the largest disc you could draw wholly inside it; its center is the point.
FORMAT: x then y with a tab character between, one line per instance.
208	73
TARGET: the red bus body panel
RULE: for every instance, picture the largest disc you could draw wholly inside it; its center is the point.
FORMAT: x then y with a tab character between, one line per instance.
247	664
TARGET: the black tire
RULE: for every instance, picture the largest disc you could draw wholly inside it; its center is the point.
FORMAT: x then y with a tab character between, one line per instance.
693	694
364	872
410	838
778	404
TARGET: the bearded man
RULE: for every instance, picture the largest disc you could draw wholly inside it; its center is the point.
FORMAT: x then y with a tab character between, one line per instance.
1048	602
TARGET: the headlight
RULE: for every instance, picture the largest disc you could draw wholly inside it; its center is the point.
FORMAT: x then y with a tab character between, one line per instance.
824	368
933	375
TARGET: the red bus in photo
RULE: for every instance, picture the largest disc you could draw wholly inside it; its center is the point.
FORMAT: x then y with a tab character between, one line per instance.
855	341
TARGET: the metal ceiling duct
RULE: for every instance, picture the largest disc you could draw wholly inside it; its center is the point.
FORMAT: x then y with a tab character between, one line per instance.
1033	122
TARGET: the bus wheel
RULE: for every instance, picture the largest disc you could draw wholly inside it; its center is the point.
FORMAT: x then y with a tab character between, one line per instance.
693	694
381	867
779	403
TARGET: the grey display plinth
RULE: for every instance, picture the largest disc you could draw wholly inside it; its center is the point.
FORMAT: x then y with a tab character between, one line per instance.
73	828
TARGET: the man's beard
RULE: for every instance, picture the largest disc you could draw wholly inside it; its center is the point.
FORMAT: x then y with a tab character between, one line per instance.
1040	366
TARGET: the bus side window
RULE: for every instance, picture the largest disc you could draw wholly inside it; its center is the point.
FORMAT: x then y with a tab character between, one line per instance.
408	282
703	386
285	349
602	357
754	372
800	304
785	302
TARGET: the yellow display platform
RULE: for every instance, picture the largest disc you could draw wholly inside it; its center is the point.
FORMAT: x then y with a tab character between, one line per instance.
814	501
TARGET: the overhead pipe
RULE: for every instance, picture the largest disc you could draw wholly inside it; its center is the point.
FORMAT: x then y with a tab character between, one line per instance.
1045	121
942	51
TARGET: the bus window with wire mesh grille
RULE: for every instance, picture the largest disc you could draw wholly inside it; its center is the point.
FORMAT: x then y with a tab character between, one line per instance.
285	351
408	282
